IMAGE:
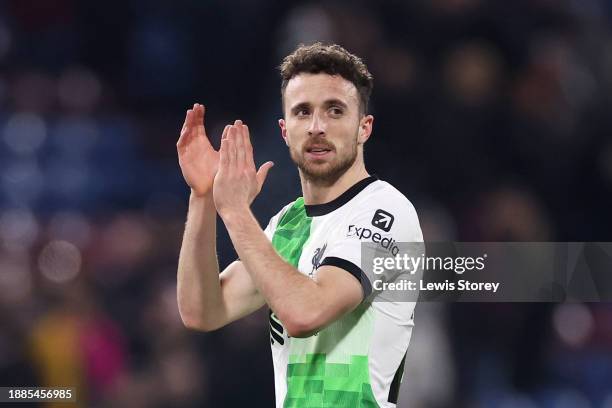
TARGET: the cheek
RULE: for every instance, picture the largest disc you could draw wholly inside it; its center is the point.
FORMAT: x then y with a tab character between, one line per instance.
351	135
294	136
291	141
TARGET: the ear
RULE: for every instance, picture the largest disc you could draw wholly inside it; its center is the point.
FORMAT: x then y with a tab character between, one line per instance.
365	128
283	127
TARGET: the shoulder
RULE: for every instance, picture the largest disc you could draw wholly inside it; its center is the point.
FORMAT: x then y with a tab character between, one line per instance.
382	196
383	193
276	218
383	208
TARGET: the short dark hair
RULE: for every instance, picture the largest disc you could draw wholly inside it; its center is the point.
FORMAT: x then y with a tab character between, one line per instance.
330	59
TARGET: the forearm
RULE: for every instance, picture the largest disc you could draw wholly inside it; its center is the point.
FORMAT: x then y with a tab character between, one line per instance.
295	298
198	286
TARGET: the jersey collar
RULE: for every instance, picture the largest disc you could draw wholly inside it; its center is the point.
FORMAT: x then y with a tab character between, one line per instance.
317	210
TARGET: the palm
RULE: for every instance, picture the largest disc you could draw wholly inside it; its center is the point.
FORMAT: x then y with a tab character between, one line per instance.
198	159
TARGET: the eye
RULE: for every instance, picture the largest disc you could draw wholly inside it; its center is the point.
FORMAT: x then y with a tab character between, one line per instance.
336	111
301	112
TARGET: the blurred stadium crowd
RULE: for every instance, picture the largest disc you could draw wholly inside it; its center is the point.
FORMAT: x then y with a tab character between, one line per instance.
493	117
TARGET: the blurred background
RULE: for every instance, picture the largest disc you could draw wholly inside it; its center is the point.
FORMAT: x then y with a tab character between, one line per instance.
493	117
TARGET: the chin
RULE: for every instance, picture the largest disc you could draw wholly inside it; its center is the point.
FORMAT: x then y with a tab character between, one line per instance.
323	170
324	173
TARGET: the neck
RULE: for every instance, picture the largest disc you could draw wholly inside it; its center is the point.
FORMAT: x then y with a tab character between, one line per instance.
315	193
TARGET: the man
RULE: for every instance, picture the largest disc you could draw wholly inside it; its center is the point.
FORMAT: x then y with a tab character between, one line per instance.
332	345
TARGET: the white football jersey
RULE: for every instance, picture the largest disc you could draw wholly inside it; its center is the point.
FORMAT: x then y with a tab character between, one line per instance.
358	360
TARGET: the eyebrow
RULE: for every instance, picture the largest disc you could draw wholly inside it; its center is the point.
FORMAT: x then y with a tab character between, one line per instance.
327	103
334	101
300	106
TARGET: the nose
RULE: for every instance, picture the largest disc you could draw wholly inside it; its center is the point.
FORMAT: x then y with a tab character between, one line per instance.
317	126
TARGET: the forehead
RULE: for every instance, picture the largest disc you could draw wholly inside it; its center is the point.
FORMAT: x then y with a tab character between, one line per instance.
318	88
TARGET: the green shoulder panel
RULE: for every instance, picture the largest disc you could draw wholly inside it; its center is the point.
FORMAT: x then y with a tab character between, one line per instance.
292	232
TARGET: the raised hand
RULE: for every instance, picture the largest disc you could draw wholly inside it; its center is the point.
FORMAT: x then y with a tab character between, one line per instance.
237	182
199	161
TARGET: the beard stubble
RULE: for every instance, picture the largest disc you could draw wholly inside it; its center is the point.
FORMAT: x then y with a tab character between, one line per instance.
328	173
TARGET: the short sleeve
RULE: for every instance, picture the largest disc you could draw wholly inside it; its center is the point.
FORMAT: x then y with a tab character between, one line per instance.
384	222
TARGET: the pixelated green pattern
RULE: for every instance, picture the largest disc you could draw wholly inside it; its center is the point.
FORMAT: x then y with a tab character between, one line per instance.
315	383
292	233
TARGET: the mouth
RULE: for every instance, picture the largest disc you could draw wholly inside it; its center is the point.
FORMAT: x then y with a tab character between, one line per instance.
318	151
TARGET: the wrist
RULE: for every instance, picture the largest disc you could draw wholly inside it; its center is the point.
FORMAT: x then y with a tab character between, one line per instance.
235	216
204	202
195	196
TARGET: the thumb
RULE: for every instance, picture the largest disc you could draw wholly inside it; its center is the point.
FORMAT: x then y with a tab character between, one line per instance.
262	173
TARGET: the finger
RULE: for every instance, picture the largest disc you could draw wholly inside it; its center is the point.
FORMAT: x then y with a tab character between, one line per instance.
231	146
195	116
200	120
247	139
185	131
262	173
195	120
225	131
240	153
186	121
248	148
198	125
192	116
223	155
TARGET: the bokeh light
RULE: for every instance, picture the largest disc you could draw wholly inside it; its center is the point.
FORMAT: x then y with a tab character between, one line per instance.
71	226
19	228
60	261
573	324
24	133
15	278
